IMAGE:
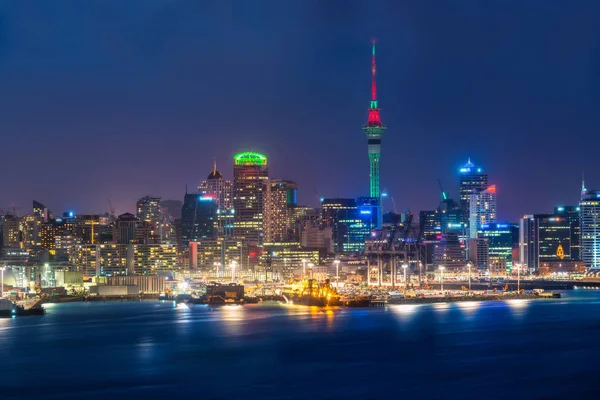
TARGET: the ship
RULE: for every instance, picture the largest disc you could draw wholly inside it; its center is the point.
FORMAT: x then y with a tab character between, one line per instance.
311	293
8	309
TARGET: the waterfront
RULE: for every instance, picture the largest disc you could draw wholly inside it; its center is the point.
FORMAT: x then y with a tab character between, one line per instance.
519	348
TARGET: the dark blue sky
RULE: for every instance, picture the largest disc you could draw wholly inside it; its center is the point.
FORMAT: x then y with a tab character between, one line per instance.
121	99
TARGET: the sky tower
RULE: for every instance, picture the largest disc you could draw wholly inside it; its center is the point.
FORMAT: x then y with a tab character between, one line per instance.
374	129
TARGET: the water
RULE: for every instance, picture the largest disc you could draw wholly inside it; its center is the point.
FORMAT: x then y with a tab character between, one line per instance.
540	349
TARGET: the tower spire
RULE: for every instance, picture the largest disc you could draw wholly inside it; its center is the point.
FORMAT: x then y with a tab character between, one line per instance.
583	188
373	78
374	129
214	164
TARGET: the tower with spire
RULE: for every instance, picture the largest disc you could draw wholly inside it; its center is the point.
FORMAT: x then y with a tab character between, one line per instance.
374	129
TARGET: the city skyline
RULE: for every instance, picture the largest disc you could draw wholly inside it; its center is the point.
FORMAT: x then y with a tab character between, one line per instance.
102	130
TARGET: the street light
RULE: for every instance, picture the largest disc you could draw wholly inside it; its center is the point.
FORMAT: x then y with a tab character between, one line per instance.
337	273
469	264
233	271
442	278
2	293
404	267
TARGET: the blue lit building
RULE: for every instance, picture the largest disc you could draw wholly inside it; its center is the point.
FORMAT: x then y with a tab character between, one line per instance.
198	216
590	228
352	221
472	180
501	239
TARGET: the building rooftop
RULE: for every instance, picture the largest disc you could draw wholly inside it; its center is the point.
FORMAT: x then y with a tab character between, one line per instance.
250	158
470	168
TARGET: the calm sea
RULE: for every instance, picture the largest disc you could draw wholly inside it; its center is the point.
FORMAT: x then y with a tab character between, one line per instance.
541	349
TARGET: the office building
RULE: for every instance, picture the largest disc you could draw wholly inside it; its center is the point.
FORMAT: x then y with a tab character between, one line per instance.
483	209
124	229
41	211
282	259
149	210
218	188
479	253
472	180
100	259
214	256
572	215
499	241
351	223
149	259
527	237
449	252
279	198
250	170
590	228
11	232
198	217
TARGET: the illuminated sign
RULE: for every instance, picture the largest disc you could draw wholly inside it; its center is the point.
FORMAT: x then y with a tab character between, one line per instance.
561	209
560	253
206	198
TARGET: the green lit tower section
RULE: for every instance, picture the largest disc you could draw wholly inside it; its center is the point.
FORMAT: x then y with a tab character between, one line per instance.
374	130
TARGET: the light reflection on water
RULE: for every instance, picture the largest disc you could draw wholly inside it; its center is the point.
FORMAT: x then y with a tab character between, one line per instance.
131	347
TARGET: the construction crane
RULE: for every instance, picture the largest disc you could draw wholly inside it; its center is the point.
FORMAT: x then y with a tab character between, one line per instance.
9	209
111	208
444	196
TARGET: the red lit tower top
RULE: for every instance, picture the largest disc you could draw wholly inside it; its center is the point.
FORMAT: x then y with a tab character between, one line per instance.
374	118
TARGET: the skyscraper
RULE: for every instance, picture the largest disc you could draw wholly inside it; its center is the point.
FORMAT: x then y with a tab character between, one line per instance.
125	227
222	191
219	188
149	210
279	197
590	228
472	180
374	130
250	170
198	215
483	209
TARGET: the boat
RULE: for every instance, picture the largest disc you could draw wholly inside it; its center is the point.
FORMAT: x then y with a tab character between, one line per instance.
8	309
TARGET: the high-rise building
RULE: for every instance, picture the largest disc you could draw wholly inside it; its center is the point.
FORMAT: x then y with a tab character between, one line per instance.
218	188
479	253
483	209
41	210
374	129
499	239
590	228
250	170
125	228
222	191
279	198
149	210
572	215
198	216
449	251
472	180
11	231
352	222
215	256
547	238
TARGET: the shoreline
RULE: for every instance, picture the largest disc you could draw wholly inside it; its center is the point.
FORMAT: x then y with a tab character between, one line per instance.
394	300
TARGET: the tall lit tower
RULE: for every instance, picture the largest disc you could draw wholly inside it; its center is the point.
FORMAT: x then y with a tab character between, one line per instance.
374	129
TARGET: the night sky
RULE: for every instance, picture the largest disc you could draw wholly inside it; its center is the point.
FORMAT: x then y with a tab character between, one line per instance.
122	99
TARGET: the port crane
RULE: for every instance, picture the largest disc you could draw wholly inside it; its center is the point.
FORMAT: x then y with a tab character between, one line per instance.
389	249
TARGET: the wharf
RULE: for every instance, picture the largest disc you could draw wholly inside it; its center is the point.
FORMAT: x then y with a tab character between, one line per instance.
483	297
